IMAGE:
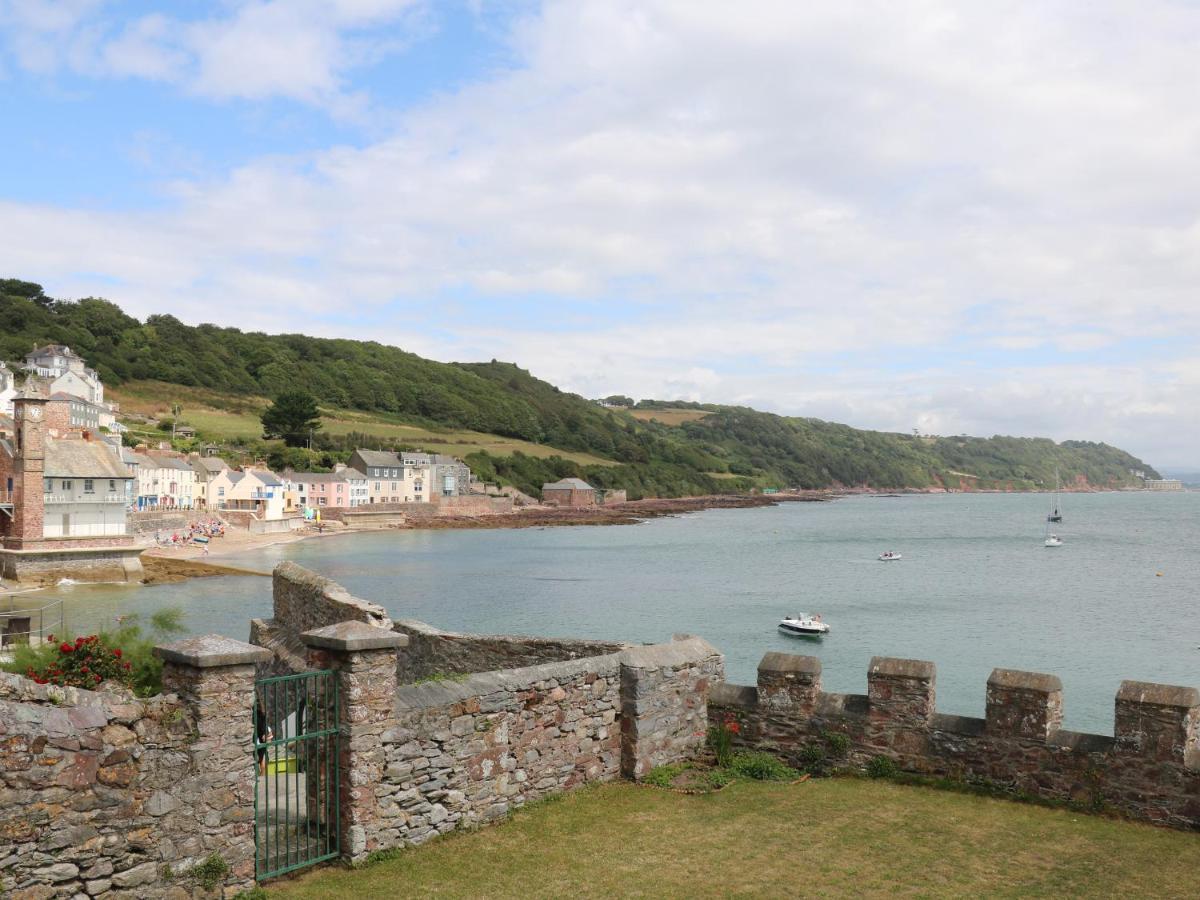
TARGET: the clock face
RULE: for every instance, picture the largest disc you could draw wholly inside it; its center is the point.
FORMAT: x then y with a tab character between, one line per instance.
35	412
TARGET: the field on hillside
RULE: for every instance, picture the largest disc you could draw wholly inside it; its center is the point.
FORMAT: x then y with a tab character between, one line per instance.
223	417
672	417
823	838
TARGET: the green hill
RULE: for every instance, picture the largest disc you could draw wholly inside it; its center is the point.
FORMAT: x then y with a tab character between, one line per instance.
384	396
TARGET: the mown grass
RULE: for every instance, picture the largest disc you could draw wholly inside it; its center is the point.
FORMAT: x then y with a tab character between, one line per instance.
222	417
827	837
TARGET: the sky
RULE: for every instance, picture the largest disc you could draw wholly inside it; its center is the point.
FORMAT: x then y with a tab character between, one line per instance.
957	217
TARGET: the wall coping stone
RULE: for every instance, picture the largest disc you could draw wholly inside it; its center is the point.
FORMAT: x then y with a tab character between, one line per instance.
353	635
901	668
1158	694
672	653
442	693
1082	741
953	724
211	650
724	694
424	628
1025	681
774	661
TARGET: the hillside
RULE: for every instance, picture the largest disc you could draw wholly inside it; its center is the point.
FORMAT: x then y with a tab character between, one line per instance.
508	424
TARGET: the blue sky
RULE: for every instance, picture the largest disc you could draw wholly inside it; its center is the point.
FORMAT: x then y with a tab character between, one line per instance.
951	217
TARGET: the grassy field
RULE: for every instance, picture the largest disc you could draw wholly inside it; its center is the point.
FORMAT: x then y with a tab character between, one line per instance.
219	417
839	837
669	416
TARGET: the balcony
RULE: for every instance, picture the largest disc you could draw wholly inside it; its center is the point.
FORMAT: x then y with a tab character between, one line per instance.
64	499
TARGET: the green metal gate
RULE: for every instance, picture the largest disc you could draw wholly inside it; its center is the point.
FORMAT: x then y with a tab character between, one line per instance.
296	783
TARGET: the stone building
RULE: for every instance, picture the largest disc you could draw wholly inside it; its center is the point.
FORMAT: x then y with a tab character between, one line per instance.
569	492
62	503
412	477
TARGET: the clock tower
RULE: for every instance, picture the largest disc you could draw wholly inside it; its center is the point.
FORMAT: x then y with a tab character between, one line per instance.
29	465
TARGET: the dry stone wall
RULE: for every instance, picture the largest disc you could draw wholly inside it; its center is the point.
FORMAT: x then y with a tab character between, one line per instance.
1149	769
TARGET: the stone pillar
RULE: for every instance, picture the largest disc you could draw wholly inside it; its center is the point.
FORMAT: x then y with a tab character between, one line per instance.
664	702
1025	705
364	658
791	682
901	691
1158	721
214	679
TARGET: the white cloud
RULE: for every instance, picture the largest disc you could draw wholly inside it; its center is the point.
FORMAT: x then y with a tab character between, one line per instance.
760	204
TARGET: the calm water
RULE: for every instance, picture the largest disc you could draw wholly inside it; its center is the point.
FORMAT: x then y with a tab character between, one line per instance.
976	588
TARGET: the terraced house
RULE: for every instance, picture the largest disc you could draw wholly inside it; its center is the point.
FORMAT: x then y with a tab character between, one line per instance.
411	477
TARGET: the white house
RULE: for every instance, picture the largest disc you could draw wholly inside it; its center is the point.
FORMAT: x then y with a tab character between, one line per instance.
164	481
344	488
68	371
8	389
206	468
252	490
87	489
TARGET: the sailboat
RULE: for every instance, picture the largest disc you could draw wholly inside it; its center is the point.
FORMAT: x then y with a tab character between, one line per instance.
1056	507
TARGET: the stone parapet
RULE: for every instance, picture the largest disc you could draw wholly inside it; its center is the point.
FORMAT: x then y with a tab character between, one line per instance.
664	691
789	682
1025	705
1158	722
1149	770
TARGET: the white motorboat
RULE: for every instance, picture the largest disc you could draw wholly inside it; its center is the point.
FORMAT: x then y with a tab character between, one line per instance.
889	556
804	625
1053	540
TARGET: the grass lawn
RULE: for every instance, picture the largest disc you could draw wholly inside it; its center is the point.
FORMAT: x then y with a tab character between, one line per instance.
826	837
221	417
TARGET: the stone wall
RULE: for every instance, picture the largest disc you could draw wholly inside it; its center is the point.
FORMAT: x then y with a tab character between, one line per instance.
168	522
433	652
105	795
1149	769
80	560
423	759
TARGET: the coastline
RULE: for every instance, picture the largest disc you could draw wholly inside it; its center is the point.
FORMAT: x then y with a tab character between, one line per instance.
169	564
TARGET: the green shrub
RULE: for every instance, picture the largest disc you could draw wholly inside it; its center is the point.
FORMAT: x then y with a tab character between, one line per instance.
812	756
882	767
761	767
125	655
662	776
838	743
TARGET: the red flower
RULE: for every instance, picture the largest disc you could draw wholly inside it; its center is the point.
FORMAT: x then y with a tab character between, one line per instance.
127	666
733	727
83	668
65	647
98	679
117	652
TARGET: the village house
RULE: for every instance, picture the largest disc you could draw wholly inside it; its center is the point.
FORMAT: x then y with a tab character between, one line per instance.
66	412
411	477
165	481
63	501
8	389
257	491
569	492
345	488
205	469
67	371
389	479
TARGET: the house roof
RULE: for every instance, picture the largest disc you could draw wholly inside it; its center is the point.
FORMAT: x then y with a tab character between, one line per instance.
568	484
83	459
210	464
51	350
378	457
325	477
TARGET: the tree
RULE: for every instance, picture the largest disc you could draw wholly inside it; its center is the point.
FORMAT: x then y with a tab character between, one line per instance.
293	416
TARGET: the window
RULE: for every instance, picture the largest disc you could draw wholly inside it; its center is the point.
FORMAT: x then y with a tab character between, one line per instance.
89	486
393	485
220	492
112	485
320	501
378	486
66	485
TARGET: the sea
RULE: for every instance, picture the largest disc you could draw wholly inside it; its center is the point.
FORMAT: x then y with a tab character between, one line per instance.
976	588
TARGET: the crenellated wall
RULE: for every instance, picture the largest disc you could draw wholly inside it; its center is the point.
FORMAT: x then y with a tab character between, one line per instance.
1149	769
